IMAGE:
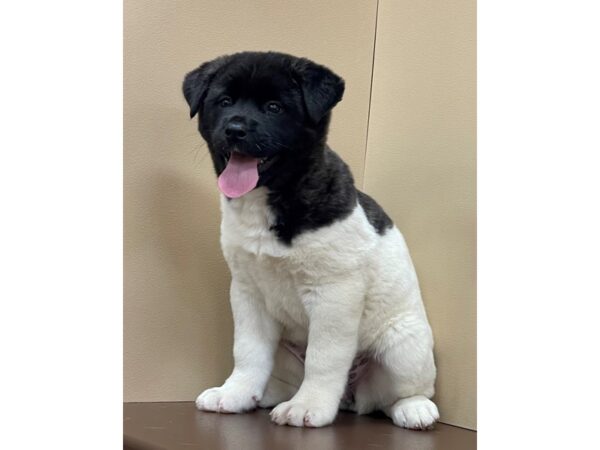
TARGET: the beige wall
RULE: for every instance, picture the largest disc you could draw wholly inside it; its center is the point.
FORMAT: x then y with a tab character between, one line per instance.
419	165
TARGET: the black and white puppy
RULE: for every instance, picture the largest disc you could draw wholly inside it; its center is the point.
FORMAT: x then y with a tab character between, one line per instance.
326	303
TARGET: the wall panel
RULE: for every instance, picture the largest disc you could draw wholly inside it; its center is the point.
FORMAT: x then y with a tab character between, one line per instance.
178	330
421	167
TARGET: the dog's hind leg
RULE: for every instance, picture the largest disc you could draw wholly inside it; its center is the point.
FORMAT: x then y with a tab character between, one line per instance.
400	381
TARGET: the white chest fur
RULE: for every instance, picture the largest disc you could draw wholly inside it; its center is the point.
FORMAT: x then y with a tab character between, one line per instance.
245	228
281	273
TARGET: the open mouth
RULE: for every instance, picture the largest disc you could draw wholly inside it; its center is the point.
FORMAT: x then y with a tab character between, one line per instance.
241	173
261	161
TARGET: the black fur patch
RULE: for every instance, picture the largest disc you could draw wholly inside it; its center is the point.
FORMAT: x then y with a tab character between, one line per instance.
375	213
310	194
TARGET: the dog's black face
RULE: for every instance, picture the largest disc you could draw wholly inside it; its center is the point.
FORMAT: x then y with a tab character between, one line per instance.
262	115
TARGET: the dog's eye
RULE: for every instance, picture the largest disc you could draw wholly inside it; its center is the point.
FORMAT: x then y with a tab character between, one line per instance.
225	102
274	107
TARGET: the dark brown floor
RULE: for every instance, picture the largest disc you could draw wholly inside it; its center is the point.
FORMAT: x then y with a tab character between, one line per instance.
179	425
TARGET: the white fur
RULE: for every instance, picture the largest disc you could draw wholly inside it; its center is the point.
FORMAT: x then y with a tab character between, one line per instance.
340	290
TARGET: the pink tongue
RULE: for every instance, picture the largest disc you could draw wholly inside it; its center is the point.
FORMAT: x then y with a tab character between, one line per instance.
240	176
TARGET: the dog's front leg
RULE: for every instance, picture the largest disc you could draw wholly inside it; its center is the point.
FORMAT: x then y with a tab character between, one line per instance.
256	336
334	312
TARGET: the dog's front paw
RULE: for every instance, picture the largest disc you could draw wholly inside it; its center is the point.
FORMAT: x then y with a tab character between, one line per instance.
226	399
303	414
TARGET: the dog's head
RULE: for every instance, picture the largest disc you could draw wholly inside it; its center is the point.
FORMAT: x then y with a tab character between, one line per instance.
262	114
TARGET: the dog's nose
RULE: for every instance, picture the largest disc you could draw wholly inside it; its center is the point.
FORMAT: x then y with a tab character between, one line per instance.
236	130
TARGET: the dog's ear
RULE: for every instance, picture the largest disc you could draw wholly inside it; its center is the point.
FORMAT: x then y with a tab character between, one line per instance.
321	88
196	83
